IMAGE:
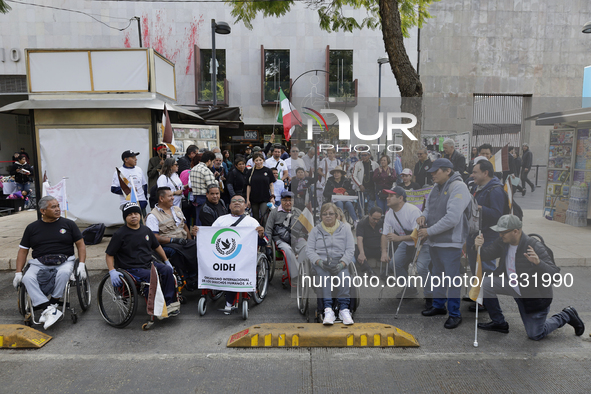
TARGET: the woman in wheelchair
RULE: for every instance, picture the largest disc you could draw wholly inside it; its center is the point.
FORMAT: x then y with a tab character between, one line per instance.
330	250
132	247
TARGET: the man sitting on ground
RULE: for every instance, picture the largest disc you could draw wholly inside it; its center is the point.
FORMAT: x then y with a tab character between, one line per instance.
525	257
280	224
214	207
52	239
131	249
169	225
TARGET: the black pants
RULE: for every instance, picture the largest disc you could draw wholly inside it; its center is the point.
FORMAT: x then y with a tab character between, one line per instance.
524	179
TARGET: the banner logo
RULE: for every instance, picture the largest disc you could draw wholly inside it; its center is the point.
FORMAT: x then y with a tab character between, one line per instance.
227	244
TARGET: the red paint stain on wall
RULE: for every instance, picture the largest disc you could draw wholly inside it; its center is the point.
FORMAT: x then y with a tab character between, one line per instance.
127	42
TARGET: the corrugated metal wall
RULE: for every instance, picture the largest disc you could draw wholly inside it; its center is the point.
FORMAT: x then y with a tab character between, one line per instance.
497	120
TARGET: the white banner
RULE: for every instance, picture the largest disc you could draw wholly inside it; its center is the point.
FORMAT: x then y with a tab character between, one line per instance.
227	258
59	192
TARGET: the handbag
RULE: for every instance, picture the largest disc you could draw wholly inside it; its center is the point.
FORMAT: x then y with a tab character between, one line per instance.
52	259
407	232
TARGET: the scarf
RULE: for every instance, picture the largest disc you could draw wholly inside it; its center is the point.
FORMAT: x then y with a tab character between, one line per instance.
332	229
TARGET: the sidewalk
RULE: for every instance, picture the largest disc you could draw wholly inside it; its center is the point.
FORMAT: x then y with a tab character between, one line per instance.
571	245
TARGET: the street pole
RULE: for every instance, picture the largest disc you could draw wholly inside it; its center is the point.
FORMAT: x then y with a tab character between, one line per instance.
381	61
139	29
214	87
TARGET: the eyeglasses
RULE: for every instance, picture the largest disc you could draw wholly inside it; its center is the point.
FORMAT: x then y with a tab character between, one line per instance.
329	214
237	201
295	150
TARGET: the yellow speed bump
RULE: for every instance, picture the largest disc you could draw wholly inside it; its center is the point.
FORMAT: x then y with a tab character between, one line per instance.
17	336
318	335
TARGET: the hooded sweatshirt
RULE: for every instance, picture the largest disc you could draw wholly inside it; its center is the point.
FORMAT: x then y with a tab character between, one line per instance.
340	244
447	224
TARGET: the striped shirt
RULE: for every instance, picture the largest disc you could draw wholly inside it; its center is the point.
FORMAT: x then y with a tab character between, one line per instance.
201	176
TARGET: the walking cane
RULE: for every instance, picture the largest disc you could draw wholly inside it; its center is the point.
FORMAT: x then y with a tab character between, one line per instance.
414	260
479	275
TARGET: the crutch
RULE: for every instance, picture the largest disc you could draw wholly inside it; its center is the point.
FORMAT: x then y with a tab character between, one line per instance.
414	261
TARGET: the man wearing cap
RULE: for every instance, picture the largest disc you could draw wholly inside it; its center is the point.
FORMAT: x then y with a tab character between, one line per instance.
523	259
155	165
445	226
131	248
400	221
422	177
136	178
247	152
407	183
280	223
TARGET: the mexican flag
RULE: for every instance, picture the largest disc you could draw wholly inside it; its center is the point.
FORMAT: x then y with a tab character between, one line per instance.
288	116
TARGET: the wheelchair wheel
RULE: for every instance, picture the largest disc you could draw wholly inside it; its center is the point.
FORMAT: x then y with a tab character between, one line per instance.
216	294
83	289
23	305
245	309
202	306
118	306
355	294
302	290
272	260
262	279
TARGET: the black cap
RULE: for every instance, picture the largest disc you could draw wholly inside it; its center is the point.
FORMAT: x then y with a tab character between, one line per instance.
439	163
128	153
399	191
130	208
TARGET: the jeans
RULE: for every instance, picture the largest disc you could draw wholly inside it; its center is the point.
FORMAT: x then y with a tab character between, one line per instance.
166	281
348	205
382	204
259	210
446	264
62	276
324	292
524	179
536	325
402	259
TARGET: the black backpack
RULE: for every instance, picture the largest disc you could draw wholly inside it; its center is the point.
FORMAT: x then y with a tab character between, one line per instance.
93	235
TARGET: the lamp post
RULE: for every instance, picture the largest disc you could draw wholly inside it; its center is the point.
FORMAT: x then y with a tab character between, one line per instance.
381	61
219	28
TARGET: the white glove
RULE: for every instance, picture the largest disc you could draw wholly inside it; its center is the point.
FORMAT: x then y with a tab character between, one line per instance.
81	271
18	278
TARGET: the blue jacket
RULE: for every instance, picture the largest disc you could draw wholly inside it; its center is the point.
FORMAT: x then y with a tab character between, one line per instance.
492	199
447	224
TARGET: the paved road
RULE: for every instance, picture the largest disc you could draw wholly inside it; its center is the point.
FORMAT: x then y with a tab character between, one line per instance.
188	354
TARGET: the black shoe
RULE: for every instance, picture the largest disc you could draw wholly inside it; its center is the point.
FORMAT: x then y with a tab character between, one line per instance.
533	189
428	303
523	192
472	308
575	320
434	311
410	292
492	326
452	322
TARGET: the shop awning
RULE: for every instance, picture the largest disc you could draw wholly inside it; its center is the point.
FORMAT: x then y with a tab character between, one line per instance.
23	107
551	118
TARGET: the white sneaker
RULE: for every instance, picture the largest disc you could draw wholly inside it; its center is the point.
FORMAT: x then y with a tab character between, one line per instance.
51	316
173	306
228	309
345	316
329	317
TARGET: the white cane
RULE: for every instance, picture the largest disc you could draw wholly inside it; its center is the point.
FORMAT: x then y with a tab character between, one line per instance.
406	284
477	307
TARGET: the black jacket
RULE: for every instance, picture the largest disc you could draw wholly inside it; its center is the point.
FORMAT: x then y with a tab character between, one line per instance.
236	183
459	162
209	213
184	164
422	177
535	298
331	184
18	177
527	159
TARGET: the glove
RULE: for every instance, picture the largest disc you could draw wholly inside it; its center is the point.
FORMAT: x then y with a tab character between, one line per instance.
168	264
334	270
81	271
322	264
116	278
18	278
179	241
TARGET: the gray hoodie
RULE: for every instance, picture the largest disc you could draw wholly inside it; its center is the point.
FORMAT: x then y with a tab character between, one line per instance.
447	225
340	244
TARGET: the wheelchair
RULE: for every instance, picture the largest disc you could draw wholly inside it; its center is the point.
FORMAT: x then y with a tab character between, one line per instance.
278	255
242	298
118	305
305	290
26	309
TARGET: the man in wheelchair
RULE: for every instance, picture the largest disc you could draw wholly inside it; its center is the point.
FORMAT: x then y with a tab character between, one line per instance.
52	239
280	225
132	248
169	226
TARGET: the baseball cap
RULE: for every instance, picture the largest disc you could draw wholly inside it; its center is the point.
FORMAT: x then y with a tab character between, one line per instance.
507	222
437	164
256	149
396	190
128	153
287	194
406	171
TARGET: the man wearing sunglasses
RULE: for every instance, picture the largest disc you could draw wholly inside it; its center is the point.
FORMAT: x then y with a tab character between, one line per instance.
521	259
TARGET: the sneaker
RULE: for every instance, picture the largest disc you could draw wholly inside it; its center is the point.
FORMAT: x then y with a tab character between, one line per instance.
51	316
173	313
173	306
44	314
228	309
329	317
345	316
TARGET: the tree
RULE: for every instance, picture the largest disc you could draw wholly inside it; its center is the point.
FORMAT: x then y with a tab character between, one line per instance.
4	8
396	18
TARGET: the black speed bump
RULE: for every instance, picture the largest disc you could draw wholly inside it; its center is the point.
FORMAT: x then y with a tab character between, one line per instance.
318	335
